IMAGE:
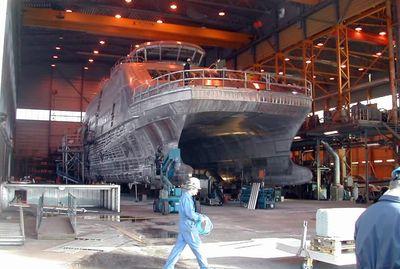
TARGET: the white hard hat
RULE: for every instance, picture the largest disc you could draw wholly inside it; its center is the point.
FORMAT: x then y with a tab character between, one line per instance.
193	183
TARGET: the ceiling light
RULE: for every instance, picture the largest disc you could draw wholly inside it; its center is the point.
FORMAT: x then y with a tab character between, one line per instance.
262	70
91	60
256	85
159	21
148	43
308	61
294	92
102	42
221	13
314	76
331	132
96	52
360	69
343	66
58	48
136	46
378	161
68	10
53	65
61	37
378	53
382	33
390	160
287	59
373	144
86	68
331	78
55	57
297	138
358	29
354	162
118	16
280	73
173	6
128	1
320	44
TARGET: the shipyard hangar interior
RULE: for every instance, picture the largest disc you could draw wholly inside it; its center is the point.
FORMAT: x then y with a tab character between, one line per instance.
285	110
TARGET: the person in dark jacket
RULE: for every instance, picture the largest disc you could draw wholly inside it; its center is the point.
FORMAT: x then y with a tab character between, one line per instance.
377	231
186	69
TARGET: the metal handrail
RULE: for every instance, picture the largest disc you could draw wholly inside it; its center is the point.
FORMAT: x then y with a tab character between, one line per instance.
21	221
39	212
123	60
72	210
223	78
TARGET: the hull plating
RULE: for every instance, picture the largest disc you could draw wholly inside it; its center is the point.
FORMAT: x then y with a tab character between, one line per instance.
224	130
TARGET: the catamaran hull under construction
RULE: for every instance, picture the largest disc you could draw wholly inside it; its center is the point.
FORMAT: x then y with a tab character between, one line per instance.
233	131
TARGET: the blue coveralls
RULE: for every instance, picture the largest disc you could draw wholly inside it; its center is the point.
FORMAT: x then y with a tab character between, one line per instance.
377	235
188	234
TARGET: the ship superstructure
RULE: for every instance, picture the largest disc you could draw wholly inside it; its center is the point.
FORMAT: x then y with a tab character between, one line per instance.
230	122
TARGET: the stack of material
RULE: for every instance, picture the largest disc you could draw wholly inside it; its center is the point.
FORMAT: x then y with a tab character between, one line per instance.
335	230
337	222
253	196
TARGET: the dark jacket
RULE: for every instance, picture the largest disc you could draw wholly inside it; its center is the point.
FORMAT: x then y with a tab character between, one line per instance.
377	235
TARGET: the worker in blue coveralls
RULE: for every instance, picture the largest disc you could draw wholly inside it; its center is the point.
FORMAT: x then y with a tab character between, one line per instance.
188	233
377	232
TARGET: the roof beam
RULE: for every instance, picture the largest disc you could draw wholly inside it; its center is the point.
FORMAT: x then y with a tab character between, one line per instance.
134	29
306	2
231	7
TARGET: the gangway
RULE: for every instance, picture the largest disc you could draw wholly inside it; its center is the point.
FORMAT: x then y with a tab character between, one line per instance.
11	232
50	226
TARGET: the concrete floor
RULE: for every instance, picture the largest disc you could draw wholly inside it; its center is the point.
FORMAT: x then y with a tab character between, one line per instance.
139	238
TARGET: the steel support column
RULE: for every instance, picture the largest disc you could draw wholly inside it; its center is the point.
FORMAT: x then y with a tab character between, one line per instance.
392	69
366	167
308	67
318	163
81	93
50	109
280	66
397	25
343	67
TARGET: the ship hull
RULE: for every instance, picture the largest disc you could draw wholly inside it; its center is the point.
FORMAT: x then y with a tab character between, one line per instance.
230	130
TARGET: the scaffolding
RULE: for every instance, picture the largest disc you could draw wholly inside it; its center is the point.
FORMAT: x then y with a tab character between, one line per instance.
71	168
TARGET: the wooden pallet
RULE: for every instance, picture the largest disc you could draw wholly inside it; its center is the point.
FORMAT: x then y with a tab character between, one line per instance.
332	246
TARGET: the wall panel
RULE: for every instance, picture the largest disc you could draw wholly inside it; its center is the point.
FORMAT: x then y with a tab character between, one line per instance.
264	49
292	35
245	60
321	20
32	137
66	82
350	8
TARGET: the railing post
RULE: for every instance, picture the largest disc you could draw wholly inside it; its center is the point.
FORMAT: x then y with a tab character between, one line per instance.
21	221
245	80
203	74
223	77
